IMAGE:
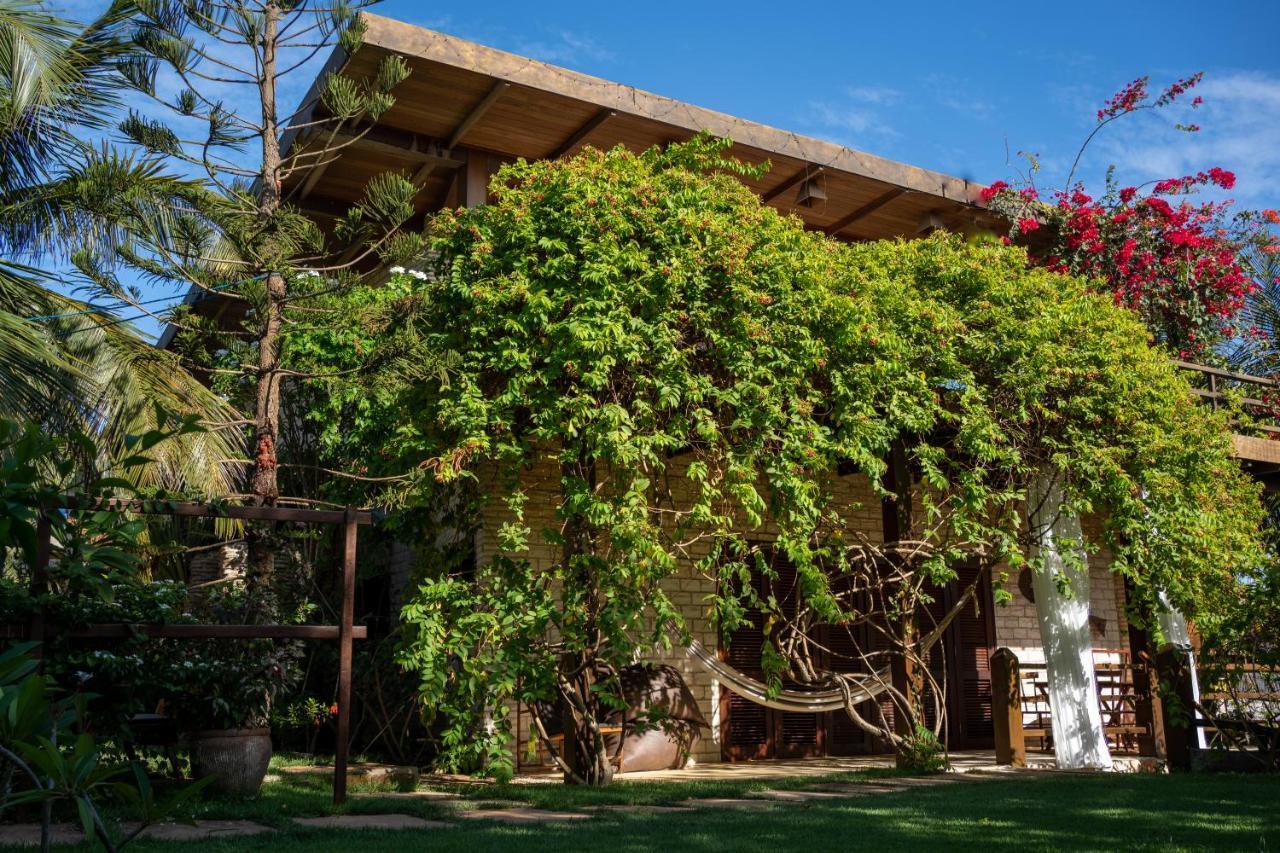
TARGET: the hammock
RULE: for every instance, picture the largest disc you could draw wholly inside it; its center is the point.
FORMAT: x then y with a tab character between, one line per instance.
810	701
802	701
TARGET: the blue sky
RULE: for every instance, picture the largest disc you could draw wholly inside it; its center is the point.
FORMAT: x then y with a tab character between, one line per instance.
957	87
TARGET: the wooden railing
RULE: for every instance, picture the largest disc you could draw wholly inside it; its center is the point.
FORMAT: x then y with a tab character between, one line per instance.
1022	717
1122	694
1211	384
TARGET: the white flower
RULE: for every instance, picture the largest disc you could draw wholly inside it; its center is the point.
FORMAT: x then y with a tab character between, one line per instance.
398	270
419	275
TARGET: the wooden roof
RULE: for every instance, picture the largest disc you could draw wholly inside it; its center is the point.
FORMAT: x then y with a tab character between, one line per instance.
466	108
464	95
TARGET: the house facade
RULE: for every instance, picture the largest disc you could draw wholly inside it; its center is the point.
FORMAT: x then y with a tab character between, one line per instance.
467	109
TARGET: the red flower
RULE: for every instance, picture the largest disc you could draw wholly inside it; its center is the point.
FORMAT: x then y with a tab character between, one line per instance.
1026	225
992	191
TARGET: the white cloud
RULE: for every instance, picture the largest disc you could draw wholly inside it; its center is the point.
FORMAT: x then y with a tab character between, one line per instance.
1240	131
861	112
873	94
565	48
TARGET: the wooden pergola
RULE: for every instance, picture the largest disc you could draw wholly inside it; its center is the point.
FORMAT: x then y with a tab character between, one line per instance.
466	109
345	632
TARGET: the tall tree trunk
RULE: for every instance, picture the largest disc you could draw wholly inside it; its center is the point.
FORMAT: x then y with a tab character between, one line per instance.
907	676
585	750
264	487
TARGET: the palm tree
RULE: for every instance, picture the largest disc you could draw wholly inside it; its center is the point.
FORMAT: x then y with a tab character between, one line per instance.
64	363
1259	353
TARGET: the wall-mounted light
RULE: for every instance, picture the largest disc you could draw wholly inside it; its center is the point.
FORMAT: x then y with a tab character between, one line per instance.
811	191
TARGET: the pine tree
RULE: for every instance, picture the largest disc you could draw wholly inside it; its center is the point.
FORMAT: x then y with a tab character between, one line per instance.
212	72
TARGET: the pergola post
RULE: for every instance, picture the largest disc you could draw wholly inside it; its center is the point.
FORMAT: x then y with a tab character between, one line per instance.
1006	708
349	531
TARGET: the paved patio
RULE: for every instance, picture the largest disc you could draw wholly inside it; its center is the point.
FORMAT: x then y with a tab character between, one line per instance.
798	768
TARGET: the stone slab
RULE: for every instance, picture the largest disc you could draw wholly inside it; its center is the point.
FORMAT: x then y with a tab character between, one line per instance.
371	821
28	834
520	815
798	796
203	829
442	796
642	808
724	803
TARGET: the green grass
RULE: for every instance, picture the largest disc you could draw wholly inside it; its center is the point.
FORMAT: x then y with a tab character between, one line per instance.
1040	811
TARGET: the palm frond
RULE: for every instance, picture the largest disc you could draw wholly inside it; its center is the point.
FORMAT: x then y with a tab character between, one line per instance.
55	77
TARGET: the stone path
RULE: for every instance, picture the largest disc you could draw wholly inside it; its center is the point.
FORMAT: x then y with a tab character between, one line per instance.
28	835
372	821
520	815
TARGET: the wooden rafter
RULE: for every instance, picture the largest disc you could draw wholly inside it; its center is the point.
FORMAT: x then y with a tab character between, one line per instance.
478	112
313	178
794	180
866	210
412	148
580	135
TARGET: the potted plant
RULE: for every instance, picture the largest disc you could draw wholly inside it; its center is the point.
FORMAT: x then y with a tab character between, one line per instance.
229	688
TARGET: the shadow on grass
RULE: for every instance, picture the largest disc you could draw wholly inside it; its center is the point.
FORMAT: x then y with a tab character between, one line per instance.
1028	812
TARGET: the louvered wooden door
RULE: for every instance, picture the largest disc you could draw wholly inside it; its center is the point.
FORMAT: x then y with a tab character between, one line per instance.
746	729
971	638
963	657
750	731
795	735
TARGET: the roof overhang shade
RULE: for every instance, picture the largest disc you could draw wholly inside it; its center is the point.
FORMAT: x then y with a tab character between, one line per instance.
466	108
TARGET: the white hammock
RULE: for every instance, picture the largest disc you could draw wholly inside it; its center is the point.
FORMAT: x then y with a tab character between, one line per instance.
804	701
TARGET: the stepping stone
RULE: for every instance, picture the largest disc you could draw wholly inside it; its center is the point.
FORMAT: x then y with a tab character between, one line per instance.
520	815
855	789
723	803
406	795
28	834
923	781
799	796
642	808
371	821
202	830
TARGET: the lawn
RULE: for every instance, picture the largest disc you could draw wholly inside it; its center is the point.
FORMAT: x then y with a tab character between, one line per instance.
1040	811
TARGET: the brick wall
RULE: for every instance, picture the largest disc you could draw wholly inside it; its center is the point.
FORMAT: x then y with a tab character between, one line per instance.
687	589
1015	623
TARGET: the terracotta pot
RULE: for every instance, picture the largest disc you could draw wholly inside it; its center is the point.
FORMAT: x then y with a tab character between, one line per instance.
237	759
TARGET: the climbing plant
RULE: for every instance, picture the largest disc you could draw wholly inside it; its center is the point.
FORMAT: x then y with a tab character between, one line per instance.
626	368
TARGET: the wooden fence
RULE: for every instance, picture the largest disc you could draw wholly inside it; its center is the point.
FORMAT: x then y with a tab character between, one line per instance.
345	632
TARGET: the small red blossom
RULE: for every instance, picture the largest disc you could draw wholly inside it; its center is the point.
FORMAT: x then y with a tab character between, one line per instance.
993	190
1027	225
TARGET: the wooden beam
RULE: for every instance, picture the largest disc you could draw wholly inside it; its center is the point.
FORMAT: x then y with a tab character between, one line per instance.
119	630
866	210
478	112
473	181
1006	709
427	153
580	135
195	509
313	178
796	179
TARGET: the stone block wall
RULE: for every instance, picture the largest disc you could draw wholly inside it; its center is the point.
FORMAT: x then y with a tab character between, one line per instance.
1015	623
687	589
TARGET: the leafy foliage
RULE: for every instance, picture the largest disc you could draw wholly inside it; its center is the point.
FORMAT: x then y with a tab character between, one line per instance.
640	370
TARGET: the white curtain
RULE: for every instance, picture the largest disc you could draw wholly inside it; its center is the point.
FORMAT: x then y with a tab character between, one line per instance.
1078	738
